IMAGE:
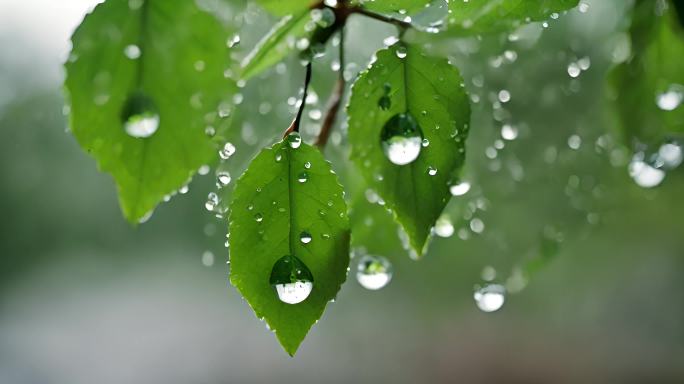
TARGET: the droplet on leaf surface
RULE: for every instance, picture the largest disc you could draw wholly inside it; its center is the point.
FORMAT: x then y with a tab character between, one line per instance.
140	116
401	139
291	279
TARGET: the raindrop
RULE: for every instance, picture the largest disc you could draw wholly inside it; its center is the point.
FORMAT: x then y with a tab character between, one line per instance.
432	171
670	154
583	7
203	170
210	131
459	189
294	140
374	272
212	201
233	41
258	217
476	225
207	258
222	179
574	70
227	151
307	165
305	237
509	132
132	51
671	99
401	139
140	116
504	96
574	142
291	279
444	227
303	177
644	174
490	298
401	52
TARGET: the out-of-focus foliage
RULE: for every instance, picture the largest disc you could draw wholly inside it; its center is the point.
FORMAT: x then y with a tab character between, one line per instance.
158	66
289	202
648	88
405	81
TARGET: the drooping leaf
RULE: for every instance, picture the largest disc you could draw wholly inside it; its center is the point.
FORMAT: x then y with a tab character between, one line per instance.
467	18
431	91
649	87
286	7
285	195
142	80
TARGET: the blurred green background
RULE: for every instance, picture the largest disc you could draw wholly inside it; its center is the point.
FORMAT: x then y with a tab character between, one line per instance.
86	298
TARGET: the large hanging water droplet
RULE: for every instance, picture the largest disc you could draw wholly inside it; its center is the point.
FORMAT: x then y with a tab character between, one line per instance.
401	139
374	272
291	279
294	140
490	298
140	116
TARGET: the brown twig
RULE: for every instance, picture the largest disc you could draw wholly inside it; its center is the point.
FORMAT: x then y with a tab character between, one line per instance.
294	127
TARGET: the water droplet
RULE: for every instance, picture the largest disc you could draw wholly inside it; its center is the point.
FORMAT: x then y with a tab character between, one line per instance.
490	298
305	237
259	217
583	7
401	139
425	143
432	171
132	51
574	142
222	179
227	151
303	177
477	225
291	279
207	258
670	99
504	96
670	154
401	52
203	170
643	173
444	227
210	131
212	201
140	116
294	140
459	189
509	132
233	41
307	165
374	272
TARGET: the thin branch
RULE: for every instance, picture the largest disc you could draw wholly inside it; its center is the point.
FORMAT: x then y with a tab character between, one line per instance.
385	19
335	100
294	127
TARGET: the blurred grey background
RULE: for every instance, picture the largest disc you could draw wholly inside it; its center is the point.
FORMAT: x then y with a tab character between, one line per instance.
86	298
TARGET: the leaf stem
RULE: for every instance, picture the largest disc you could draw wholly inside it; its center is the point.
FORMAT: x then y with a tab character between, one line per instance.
335	100
385	19
294	127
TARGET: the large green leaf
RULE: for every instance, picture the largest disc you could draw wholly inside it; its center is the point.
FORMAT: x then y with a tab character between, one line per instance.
431	90
286	7
152	56
285	192
279	43
477	17
653	75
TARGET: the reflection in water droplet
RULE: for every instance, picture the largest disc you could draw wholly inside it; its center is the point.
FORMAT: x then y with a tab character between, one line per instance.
305	237
140	116
460	189
374	272
291	279
401	139
490	298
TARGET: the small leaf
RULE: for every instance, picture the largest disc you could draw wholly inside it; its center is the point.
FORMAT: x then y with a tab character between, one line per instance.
291	33
286	7
649	87
288	203
429	107
467	18
140	87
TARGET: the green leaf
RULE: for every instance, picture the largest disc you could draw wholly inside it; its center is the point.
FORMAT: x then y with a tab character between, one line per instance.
649	76
405	6
278	44
177	77
286	7
430	90
467	18
271	209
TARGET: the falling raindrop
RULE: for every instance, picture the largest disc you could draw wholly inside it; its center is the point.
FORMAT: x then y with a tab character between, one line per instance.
490	297
374	272
291	279
401	139
140	116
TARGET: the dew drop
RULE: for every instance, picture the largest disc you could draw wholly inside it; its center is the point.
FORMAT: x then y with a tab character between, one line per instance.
401	52
374	272
227	151
140	116
291	279
401	139
303	177
305	237
258	217
490	298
